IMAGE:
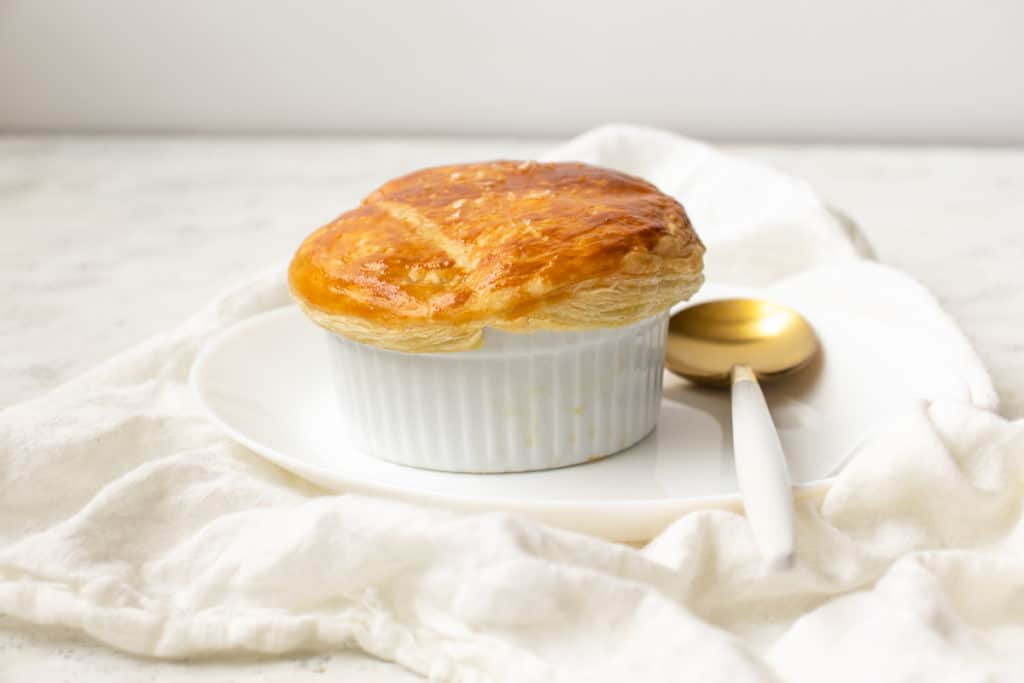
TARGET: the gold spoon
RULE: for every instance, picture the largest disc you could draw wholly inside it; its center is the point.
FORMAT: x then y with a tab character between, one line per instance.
734	342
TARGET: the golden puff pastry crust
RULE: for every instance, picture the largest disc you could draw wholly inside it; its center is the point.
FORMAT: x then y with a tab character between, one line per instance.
430	259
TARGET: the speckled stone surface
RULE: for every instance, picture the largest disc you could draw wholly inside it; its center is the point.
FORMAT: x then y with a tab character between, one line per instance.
104	241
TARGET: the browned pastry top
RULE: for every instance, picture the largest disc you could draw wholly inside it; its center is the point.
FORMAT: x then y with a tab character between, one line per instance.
430	259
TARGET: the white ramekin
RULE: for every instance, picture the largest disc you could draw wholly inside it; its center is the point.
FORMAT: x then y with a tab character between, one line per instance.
521	402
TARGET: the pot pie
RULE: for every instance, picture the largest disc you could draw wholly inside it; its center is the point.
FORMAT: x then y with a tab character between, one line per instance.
499	316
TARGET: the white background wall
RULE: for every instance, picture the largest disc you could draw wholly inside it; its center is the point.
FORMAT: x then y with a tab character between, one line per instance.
855	70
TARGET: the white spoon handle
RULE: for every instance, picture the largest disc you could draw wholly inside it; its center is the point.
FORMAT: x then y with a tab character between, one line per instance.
761	471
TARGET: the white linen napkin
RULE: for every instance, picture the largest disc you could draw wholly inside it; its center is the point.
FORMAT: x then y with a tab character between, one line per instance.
125	514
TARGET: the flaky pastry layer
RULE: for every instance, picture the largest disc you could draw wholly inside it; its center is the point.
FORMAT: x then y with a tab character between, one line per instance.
430	259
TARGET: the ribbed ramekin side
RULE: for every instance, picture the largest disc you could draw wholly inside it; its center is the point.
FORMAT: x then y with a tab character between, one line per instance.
527	409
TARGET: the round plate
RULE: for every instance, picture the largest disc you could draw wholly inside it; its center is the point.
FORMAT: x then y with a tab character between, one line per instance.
266	382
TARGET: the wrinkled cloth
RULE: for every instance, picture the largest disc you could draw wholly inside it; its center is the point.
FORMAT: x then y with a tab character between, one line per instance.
126	514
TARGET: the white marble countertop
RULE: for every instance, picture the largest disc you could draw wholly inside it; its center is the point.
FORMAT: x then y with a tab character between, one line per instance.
108	240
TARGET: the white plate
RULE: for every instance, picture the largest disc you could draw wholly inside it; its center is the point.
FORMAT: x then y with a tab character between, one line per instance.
266	382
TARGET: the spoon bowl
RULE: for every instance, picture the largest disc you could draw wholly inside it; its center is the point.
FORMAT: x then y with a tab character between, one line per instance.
706	341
